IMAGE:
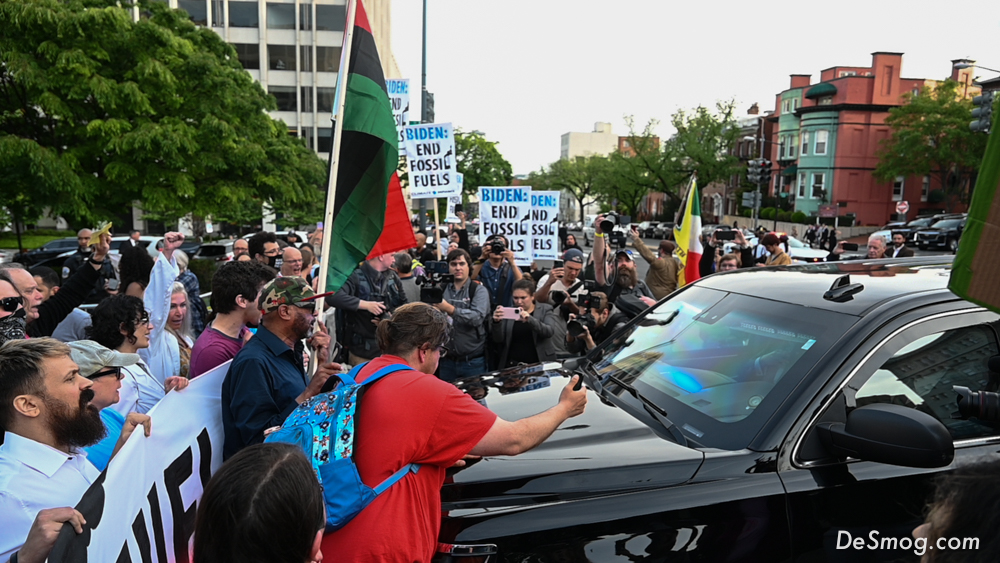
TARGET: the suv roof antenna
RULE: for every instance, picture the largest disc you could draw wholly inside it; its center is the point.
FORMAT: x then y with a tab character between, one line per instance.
843	290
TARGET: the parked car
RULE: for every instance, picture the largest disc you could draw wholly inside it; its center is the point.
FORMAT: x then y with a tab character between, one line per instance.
664	231
588	229
221	251
646	228
942	234
50	250
754	415
908	229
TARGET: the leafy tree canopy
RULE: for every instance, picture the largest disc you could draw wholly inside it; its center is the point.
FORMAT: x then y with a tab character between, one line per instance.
98	111
931	136
480	163
585	178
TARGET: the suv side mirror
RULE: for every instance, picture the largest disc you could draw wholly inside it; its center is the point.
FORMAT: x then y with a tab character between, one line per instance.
891	434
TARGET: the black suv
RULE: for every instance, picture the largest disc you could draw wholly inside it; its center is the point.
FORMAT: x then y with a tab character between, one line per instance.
940	234
50	250
765	414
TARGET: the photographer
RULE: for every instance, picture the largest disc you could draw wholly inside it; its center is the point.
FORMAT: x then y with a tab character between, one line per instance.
626	291
371	293
529	338
714	251
498	272
586	332
467	305
560	288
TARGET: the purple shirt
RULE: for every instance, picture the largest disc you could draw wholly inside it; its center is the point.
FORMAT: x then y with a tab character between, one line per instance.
214	348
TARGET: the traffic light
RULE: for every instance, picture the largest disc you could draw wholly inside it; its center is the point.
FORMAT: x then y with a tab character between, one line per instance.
765	171
982	112
427	114
753	171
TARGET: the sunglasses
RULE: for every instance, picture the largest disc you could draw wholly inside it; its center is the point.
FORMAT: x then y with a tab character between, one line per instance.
10	304
143	320
115	371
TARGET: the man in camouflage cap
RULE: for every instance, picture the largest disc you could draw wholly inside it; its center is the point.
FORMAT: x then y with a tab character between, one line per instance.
267	378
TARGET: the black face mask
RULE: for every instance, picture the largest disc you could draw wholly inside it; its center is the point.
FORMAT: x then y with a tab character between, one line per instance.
272	261
12	327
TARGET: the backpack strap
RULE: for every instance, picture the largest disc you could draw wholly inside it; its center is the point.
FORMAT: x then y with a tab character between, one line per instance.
383	372
395	477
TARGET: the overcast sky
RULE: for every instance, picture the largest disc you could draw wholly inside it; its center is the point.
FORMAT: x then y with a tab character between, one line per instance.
526	72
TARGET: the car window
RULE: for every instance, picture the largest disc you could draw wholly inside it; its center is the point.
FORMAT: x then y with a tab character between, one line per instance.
213	250
725	362
922	373
947	224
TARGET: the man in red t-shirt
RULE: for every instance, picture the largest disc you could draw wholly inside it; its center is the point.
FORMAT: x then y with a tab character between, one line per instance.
413	417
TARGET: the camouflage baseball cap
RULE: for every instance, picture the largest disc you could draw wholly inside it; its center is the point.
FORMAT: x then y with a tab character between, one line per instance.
286	291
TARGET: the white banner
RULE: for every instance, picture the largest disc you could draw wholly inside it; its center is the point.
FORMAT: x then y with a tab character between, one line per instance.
545	225
399	98
455	200
142	507
507	212
430	158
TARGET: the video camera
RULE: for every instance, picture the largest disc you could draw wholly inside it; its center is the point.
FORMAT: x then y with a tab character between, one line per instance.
615	238
983	405
575	327
431	282
584	301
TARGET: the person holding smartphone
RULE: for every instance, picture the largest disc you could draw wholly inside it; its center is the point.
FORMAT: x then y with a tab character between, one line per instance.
525	331
713	253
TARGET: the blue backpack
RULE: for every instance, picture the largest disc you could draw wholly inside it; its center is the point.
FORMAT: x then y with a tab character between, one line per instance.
324	428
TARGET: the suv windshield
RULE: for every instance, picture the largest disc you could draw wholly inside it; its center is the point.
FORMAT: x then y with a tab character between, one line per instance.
947	224
724	363
920	222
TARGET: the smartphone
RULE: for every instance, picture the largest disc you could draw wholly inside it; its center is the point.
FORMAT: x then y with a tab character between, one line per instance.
850	246
512	313
557	263
459	208
725	235
112	284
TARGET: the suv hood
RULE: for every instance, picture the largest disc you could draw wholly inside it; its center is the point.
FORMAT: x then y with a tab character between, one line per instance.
604	450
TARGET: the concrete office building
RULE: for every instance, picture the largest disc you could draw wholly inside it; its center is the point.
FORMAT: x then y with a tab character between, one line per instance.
600	142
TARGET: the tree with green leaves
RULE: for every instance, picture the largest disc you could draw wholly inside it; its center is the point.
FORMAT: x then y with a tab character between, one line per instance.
585	178
480	163
98	111
931	137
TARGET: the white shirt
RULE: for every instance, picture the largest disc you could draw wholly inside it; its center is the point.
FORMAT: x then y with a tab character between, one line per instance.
139	392
558	285
163	357
36	477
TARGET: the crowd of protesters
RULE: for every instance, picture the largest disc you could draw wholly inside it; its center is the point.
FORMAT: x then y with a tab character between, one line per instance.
75	383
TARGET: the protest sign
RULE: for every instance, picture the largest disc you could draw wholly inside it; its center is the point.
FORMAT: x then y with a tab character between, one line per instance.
507	211
399	97
430	157
143	505
545	225
455	200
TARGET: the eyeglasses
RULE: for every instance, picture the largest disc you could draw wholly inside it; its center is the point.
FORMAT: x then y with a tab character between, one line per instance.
442	350
143	320
115	371
10	304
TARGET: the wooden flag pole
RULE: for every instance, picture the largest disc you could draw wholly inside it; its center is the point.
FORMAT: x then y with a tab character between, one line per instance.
331	184
437	226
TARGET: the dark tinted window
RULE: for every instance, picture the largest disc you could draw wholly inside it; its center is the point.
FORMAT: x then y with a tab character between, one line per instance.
243	14
196	9
285	95
280	16
327	59
305	17
324	139
330	18
922	373
307	98
249	54
324	99
281	57
305	58
947	224
213	250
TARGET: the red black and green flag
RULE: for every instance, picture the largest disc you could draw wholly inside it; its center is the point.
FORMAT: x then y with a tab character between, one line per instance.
369	214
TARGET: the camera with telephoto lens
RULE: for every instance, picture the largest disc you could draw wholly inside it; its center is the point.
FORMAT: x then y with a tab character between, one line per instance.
983	405
583	300
616	239
431	282
557	297
575	327
497	247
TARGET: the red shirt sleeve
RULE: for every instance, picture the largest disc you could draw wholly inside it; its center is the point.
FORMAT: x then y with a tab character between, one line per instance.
460	424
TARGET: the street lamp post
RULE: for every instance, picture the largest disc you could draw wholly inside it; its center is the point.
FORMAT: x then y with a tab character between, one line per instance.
961	66
762	160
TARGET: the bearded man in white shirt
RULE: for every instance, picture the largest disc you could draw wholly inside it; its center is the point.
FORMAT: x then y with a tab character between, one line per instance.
47	418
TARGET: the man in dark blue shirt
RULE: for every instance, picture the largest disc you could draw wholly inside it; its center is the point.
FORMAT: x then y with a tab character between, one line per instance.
267	378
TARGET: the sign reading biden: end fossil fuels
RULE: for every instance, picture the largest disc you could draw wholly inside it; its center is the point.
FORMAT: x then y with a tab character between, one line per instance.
507	211
430	155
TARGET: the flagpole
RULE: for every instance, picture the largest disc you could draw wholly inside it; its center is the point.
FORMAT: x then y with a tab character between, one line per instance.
437	225
331	183
338	126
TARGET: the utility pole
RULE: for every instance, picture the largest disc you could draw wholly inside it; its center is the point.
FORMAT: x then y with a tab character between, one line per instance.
423	110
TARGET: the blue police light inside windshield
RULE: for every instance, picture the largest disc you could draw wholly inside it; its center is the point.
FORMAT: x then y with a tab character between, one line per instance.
683	380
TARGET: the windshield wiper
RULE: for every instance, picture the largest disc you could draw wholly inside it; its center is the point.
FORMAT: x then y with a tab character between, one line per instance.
653	409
